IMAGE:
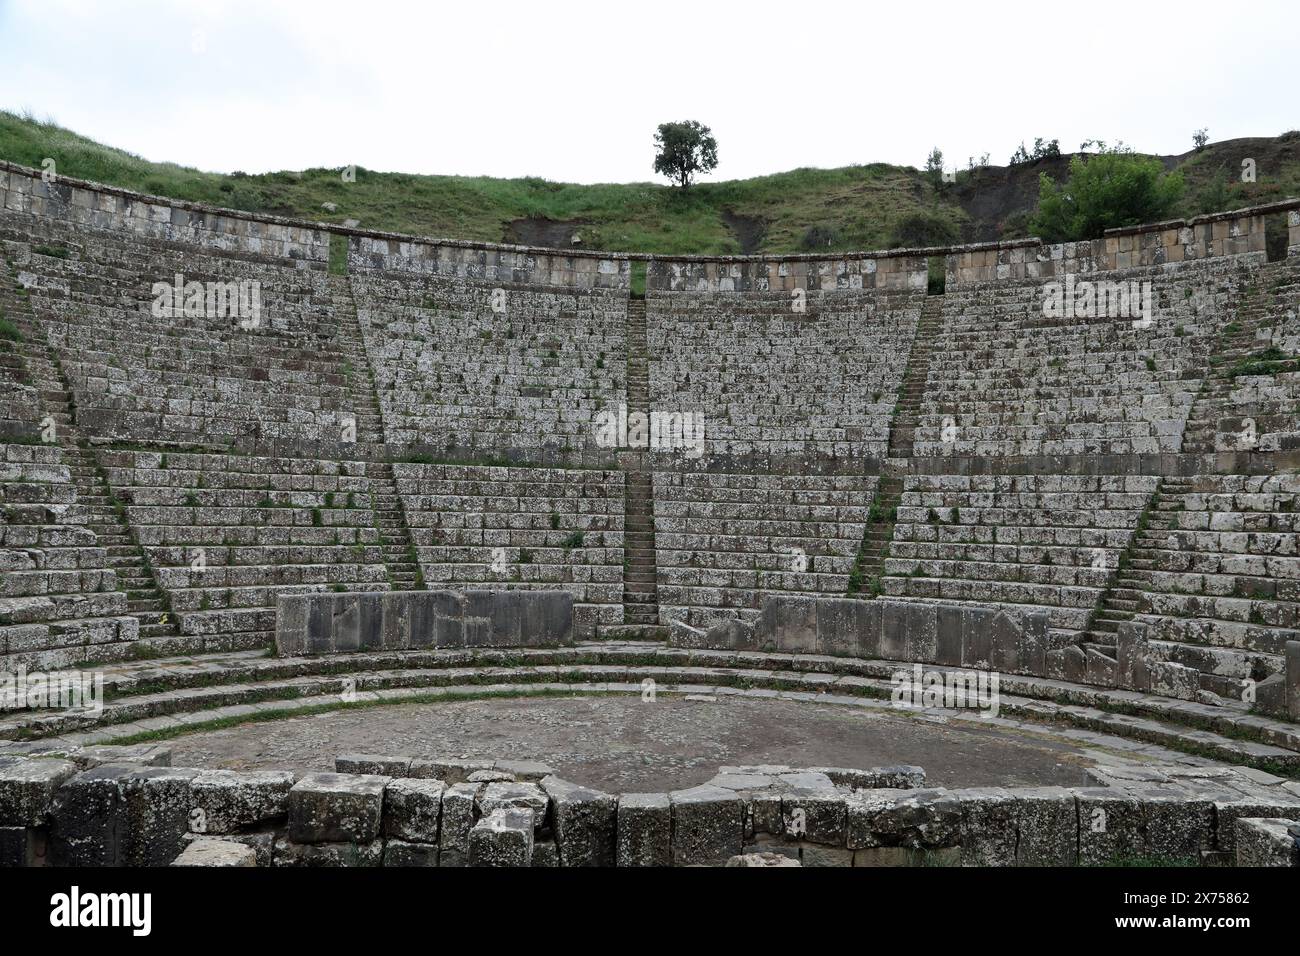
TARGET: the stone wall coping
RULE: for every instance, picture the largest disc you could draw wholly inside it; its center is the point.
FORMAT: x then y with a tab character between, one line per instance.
1281	205
926	251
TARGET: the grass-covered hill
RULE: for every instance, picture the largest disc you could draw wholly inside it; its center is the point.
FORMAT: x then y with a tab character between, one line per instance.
871	206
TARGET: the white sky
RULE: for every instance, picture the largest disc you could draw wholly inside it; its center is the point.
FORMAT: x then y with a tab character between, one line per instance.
573	90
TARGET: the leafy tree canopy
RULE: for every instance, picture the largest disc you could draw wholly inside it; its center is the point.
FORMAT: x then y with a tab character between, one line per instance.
1107	190
683	150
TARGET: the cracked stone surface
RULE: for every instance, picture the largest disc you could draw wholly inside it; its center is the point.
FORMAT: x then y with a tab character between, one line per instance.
631	745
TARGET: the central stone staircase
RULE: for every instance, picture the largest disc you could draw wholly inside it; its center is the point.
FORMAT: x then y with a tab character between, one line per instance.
640	570
880	526
1120	602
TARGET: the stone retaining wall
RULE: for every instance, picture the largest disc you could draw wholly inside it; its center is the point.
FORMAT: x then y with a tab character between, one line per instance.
126	806
1236	233
97	206
968	635
308	624
904	269
488	262
997	638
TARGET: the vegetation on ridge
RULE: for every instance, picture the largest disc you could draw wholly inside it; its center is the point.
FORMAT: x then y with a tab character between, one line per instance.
872	206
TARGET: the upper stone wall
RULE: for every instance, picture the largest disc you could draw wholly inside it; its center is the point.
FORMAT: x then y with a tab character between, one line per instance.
491	263
1241	232
1236	233
905	269
93	205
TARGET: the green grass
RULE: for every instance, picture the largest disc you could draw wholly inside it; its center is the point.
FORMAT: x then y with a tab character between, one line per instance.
858	204
832	210
8	331
1268	362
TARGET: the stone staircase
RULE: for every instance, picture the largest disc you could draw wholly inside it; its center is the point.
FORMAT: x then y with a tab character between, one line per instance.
357	371
640	571
1274	289
1120	602
875	540
97	506
907	411
399	552
880	527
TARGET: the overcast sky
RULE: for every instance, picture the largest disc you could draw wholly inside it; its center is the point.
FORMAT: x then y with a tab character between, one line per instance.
573	91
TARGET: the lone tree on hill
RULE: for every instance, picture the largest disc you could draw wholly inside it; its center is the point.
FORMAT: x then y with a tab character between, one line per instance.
685	149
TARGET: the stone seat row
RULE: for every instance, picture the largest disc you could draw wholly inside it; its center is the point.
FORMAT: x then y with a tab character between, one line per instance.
520	527
60	604
722	540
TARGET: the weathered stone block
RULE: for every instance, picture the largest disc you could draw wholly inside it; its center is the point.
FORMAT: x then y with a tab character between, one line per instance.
812	855
502	838
288	853
413	809
521	796
815	816
988	826
375	764
1267	842
27	788
229	800
219	853
708	825
89	820
645	829
459	805
1047	824
401	853
22	846
336	807
1110	826
762	859
159	805
584	821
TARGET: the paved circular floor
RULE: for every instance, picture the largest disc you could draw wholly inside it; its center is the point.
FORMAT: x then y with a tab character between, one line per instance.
625	744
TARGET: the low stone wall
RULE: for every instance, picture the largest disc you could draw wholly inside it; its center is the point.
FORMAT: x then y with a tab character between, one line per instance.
1146	644
1238	233
126	806
987	638
488	262
996	638
900	270
310	624
97	206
